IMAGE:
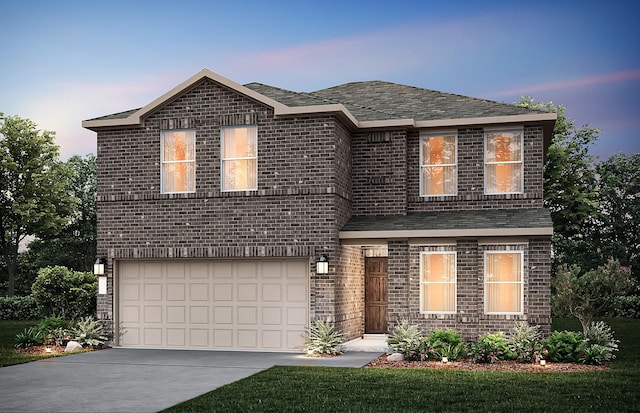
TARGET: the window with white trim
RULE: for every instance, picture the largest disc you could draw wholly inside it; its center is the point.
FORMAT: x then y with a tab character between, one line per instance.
438	282
438	165
503	162
239	158
178	159
503	282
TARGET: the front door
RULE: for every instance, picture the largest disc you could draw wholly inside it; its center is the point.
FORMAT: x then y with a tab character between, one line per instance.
375	295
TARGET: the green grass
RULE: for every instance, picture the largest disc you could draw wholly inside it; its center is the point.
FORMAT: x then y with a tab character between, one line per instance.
8	355
324	389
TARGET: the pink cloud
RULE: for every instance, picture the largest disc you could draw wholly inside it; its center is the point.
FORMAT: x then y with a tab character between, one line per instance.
606	78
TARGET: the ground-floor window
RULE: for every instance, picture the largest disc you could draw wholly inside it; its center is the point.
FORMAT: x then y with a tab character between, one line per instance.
438	282
503	282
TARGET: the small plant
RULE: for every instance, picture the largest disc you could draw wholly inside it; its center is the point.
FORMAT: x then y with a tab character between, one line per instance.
599	344
525	343
57	337
88	332
30	337
564	346
447	343
402	336
596	354
490	348
419	349
322	339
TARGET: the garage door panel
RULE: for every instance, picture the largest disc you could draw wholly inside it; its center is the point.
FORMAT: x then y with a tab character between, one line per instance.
199	337
175	292
223	315
152	292
224	304
152	336
176	314
199	292
223	338
247	292
152	314
272	292
176	337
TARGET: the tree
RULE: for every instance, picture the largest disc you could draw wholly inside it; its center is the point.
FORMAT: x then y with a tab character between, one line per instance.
617	227
569	184
590	294
74	246
33	200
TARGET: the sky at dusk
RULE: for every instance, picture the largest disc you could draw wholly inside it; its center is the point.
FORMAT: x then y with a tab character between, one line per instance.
67	61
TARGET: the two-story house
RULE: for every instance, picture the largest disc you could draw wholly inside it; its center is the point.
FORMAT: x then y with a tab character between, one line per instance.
231	216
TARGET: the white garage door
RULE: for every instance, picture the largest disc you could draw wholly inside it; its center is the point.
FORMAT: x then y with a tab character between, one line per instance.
213	304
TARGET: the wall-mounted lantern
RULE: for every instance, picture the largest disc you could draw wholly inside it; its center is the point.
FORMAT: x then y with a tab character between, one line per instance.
98	271
322	266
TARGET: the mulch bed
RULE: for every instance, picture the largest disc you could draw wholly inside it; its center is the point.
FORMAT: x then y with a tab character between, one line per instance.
39	350
382	362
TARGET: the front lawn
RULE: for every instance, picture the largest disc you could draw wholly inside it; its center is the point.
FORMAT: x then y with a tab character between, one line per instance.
323	389
8	355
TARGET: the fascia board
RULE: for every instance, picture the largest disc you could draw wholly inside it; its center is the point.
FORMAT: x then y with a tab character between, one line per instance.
448	233
532	117
284	110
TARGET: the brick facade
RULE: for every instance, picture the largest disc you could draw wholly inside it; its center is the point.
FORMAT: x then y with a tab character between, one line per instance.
315	172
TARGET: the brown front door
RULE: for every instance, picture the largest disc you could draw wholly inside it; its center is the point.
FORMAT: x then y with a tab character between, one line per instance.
375	295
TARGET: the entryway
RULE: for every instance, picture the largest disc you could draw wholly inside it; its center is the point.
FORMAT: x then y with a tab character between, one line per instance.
375	295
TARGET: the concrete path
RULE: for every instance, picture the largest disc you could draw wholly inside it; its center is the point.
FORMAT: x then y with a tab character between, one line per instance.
136	380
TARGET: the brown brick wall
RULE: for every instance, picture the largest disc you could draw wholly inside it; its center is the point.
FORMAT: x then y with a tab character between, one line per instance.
350	292
303	186
380	173
469	317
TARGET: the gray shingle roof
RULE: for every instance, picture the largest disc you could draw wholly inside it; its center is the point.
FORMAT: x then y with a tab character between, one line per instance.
454	220
379	101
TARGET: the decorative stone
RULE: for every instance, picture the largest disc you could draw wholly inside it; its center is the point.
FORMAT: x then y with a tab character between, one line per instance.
72	346
395	357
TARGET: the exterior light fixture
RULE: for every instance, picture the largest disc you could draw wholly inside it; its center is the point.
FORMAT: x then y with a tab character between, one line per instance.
445	360
322	266
98	271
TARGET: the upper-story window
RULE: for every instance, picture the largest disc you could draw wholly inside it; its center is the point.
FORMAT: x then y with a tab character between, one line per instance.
503	162
438	165
178	153
239	158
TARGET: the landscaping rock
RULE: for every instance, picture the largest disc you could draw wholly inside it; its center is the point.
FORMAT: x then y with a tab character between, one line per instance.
395	357
72	346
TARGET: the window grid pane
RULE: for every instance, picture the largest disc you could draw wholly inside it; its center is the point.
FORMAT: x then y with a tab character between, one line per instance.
503	282
178	161
438	165
503	158
239	158
438	282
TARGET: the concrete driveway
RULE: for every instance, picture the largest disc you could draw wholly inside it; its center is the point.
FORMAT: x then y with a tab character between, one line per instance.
136	380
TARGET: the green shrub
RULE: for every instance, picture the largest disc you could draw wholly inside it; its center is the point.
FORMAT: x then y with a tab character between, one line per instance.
29	337
19	308
402	335
419	349
88	332
564	346
322	339
447	343
626	306
596	354
525	343
63	293
52	323
490	348
599	344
